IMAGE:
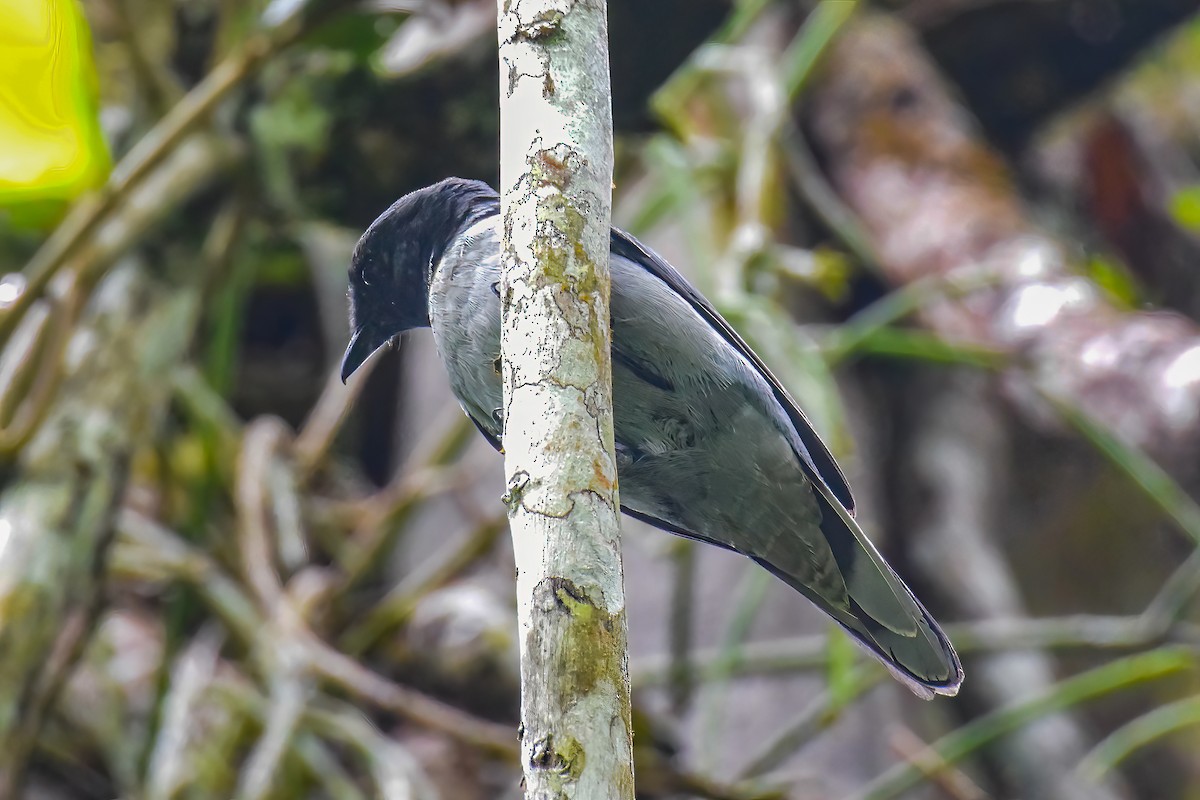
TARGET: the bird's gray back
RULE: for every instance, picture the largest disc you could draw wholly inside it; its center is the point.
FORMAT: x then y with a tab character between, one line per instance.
702	444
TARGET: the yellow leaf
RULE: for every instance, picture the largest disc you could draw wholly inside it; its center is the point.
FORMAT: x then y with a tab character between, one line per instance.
51	147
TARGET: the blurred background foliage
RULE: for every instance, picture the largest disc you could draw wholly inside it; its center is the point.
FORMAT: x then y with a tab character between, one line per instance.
53	147
964	233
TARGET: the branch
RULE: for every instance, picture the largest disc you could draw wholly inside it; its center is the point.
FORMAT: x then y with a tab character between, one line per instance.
556	186
937	202
1079	632
147	546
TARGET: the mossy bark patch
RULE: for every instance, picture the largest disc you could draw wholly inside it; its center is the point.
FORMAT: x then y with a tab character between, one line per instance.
584	650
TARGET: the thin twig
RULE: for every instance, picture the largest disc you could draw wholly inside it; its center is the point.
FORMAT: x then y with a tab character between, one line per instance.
291	543
950	780
750	596
680	635
317	434
191	675
45	353
823	200
808	653
145	549
189	167
289	695
291	688
159	86
206	409
398	604
818	716
358	681
263	439
397	775
812	41
1138	733
165	551
308	743
381	516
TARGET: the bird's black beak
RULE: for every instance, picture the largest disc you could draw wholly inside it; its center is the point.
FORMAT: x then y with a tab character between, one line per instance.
365	341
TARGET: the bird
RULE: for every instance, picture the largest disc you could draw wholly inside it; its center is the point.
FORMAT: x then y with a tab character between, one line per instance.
709	445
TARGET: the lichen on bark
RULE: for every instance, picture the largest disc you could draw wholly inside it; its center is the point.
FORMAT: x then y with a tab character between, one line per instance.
556	178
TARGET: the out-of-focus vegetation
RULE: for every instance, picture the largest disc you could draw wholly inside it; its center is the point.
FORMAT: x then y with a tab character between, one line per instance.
50	134
963	232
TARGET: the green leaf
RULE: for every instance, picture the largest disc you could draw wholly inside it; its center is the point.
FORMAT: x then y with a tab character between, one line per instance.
1142	731
923	346
673	187
818	31
51	146
1185	207
671	98
1115	280
1160	487
854	337
750	596
357	34
981	732
841	675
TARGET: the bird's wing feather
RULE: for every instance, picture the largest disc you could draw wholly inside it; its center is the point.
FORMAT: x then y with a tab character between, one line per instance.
492	439
641	516
818	462
671	527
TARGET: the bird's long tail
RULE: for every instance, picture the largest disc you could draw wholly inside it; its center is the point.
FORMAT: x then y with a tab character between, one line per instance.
883	614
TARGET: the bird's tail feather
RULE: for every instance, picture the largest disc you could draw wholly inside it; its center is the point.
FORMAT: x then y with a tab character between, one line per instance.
883	614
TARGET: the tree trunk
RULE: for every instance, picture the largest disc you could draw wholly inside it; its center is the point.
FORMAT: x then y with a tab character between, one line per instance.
556	183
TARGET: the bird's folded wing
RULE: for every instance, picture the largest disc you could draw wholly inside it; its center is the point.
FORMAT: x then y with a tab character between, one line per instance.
817	461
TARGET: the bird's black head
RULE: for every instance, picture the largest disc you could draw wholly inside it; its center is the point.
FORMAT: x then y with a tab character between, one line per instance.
393	261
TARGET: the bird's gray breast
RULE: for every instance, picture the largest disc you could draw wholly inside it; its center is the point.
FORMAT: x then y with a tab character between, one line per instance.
464	312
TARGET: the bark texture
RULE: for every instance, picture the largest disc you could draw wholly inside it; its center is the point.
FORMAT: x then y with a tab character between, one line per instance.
556	182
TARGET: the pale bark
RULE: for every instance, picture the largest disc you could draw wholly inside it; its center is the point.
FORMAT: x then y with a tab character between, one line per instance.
556	179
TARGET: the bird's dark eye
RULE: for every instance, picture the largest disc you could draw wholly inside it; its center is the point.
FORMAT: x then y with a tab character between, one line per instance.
362	268
372	272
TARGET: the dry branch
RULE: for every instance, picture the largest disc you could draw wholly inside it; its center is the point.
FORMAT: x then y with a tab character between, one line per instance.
77	230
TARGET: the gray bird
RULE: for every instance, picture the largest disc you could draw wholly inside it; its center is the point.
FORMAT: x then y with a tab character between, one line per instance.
709	445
